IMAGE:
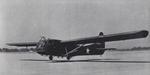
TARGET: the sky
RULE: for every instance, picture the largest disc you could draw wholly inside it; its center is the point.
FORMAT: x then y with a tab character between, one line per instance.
28	20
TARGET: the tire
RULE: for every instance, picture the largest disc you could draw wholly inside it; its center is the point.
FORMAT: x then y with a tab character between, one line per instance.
68	58
50	57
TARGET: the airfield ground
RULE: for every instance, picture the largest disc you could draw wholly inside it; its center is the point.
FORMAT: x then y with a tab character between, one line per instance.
111	63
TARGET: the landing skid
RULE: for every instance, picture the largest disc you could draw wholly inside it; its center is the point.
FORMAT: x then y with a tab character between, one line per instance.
51	58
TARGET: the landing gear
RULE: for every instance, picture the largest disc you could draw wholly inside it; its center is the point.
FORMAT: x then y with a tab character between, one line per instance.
68	58
50	57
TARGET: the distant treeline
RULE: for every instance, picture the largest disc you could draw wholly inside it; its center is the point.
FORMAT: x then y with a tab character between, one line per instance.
17	50
133	49
33	49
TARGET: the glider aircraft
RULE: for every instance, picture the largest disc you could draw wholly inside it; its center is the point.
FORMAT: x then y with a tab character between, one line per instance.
83	46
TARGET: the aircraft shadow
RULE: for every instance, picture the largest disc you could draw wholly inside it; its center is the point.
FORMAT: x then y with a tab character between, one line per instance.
100	60
89	60
33	60
64	60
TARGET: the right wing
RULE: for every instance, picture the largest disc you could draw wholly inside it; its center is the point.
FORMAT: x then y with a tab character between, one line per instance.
23	44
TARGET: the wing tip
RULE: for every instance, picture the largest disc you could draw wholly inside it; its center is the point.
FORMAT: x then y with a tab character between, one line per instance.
145	33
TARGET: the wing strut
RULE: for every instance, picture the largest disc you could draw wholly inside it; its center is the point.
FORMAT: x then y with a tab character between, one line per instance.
74	50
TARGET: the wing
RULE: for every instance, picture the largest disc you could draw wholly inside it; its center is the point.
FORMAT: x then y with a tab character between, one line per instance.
96	39
23	44
109	38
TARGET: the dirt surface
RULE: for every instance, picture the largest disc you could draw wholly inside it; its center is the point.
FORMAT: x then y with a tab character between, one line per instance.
111	63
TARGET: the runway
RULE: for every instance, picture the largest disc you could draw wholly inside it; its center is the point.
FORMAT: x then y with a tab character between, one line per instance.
111	63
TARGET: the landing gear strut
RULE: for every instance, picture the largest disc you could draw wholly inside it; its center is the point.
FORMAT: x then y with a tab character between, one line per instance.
50	57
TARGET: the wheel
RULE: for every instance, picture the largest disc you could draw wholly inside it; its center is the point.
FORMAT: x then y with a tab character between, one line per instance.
68	58
50	57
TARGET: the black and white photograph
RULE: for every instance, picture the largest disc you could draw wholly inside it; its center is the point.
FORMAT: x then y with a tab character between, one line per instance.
74	37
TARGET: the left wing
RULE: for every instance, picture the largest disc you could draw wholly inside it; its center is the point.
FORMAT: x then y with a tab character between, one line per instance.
109	38
105	38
